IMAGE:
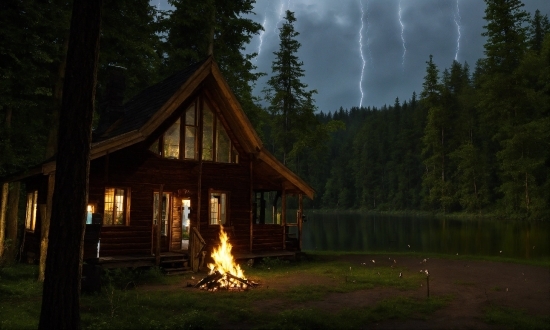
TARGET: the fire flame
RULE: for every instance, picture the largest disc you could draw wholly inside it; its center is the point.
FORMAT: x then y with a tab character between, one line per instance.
225	264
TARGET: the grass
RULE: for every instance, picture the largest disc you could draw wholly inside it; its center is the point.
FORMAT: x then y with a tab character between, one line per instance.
514	319
150	300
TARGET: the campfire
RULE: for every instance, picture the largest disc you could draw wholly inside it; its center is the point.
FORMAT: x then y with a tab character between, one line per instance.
224	272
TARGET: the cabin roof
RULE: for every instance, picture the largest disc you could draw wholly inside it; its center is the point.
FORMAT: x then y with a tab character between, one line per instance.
146	111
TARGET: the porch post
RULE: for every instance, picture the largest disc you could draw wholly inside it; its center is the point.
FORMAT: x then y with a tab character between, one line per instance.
159	224
300	213
251	205
283	217
45	227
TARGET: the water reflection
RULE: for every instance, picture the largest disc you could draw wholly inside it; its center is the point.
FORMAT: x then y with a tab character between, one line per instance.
356	232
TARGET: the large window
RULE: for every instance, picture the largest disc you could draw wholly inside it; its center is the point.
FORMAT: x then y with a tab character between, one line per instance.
165	215
218	208
182	140
190	140
116	207
171	141
30	219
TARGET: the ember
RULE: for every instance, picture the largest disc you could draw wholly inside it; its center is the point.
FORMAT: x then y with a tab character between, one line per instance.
224	272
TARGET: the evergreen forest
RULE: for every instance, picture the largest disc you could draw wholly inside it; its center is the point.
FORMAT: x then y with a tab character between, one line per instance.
474	139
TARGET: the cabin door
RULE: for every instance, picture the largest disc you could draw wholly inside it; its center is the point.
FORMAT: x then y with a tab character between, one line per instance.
185	223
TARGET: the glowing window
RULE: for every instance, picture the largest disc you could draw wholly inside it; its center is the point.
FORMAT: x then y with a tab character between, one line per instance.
115	210
218	208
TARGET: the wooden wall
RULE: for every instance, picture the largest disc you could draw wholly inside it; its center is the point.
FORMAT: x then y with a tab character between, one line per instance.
142	172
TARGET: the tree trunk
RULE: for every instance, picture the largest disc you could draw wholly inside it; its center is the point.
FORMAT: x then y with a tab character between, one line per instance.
61	293
3	206
51	148
45	228
13	210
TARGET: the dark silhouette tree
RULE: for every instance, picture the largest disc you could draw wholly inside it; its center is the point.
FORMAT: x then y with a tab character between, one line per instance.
61	294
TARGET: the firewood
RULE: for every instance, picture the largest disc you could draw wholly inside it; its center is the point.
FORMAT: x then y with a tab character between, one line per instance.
210	278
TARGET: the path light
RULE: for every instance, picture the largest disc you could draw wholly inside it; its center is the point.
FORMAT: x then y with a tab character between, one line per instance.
373	261
394	261
400	275
409	246
500	251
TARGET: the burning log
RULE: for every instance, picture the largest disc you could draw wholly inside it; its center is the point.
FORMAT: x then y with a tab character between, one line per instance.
224	272
214	277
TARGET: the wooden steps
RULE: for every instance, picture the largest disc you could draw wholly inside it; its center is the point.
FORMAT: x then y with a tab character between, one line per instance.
175	263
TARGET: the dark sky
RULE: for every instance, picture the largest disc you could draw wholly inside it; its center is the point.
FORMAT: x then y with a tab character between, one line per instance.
397	38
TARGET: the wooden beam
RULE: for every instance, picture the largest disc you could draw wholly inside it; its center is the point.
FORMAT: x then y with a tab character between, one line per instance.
251	205
300	212
287	174
283	217
45	227
159	224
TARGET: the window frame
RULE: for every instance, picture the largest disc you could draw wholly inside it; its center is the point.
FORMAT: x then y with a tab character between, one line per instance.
227	222
31	210
125	203
198	105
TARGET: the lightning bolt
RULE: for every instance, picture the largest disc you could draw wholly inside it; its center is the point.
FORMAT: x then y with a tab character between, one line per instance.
261	36
402	37
361	53
457	20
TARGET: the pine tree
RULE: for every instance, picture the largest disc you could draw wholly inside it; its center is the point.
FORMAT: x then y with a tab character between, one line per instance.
196	29
540	26
435	183
290	104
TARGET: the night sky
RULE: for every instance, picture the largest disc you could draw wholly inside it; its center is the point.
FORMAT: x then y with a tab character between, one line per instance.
398	37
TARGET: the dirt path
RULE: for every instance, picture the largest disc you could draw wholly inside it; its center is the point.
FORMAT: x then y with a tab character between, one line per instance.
474	285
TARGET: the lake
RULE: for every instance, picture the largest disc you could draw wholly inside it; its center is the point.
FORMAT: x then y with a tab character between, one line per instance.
382	233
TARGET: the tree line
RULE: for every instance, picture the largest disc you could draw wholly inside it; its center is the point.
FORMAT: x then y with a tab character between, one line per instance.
475	141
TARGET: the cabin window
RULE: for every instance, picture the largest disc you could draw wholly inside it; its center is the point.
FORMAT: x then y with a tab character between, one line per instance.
116	208
216	144
171	142
190	133
164	222
30	220
218	208
207	133
183	139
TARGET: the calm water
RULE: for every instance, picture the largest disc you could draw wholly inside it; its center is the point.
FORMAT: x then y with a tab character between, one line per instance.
356	232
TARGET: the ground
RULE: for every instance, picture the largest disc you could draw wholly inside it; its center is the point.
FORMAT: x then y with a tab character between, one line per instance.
473	284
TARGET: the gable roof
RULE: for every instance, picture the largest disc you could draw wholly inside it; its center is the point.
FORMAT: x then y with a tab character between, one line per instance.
146	111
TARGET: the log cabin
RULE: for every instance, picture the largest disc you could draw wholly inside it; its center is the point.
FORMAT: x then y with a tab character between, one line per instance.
168	168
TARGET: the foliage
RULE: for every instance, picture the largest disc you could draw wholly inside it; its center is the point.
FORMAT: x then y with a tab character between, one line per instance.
294	128
195	29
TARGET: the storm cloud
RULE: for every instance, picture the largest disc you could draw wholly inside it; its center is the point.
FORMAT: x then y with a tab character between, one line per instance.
329	37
